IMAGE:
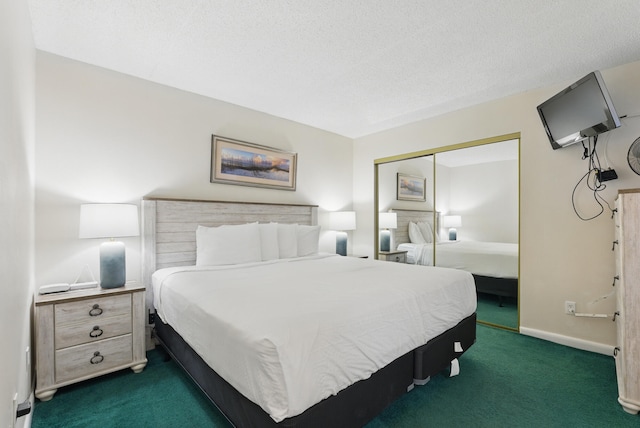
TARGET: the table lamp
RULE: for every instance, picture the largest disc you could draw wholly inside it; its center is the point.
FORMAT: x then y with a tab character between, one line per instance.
451	222
110	221
341	221
386	221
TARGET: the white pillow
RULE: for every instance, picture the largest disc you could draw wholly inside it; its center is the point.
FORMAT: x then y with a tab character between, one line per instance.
269	241
287	241
228	245
415	236
426	231
308	237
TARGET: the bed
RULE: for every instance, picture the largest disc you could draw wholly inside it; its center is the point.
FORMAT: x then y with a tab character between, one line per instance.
351	336
494	265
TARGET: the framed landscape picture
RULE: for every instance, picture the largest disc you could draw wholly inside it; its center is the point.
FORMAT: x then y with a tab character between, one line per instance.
246	164
411	188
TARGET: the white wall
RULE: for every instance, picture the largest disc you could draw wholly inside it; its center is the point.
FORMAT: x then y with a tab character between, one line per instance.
561	257
388	185
103	136
486	197
17	110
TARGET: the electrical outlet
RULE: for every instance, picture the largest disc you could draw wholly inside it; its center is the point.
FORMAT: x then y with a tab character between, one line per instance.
570	308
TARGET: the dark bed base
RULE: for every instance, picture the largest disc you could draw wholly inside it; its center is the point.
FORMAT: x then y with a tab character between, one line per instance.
502	287
436	354
351	407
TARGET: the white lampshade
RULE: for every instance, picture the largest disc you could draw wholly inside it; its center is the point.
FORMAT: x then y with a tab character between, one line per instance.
452	221
342	220
108	220
388	221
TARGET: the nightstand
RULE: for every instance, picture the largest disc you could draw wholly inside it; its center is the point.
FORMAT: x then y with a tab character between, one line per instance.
83	334
393	256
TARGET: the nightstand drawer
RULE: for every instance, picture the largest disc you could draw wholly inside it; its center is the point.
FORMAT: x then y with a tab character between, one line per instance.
398	258
86	332
83	360
393	256
91	310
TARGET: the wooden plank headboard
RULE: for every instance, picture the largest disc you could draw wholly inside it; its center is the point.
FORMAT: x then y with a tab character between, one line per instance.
400	235
169	226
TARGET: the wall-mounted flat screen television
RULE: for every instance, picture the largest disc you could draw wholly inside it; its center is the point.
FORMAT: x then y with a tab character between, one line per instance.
580	111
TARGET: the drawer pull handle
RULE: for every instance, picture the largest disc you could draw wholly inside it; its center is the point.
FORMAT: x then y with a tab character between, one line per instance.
97	358
95	311
96	332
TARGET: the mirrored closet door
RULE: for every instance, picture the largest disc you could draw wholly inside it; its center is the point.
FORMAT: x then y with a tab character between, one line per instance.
457	206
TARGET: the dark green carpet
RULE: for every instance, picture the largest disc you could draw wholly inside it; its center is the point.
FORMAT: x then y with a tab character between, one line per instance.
489	310
161	396
506	380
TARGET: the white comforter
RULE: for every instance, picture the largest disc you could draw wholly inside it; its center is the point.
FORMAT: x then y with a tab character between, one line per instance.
289	333
496	259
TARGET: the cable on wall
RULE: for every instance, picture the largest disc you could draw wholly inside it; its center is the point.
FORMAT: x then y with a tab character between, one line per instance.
595	176
592	179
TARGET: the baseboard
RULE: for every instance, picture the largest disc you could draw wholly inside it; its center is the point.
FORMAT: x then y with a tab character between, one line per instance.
573	342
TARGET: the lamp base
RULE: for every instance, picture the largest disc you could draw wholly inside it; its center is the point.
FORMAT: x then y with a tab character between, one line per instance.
453	234
341	243
385	240
112	264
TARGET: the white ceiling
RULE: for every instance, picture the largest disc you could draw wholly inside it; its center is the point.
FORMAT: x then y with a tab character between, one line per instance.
352	67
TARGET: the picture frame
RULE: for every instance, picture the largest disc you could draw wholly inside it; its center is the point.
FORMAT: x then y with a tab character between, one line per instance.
247	164
411	188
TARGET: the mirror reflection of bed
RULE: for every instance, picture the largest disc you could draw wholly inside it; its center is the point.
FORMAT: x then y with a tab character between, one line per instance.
494	265
478	183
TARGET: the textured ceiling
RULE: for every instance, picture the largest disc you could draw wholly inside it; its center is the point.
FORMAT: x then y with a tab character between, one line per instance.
353	67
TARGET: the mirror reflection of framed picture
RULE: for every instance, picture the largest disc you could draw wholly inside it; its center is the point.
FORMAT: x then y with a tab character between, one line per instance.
247	164
411	188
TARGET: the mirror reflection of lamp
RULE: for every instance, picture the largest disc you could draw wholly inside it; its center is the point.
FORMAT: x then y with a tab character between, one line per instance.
386	221
341	221
451	222
110	221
